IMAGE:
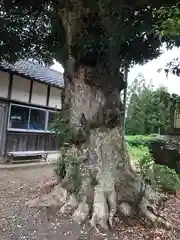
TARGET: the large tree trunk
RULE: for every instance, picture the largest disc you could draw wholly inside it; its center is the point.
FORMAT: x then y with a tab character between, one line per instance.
95	113
93	95
118	187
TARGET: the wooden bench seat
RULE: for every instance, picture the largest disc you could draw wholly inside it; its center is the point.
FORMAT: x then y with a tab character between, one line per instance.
25	154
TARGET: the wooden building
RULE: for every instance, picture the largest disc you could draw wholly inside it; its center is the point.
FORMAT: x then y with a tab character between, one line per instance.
29	96
175	121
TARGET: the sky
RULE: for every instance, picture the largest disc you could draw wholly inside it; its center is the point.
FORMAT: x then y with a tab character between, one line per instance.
150	71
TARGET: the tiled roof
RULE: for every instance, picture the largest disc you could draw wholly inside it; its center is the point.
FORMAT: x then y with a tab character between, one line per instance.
36	72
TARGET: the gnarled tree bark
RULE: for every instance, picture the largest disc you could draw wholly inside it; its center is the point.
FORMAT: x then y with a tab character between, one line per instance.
93	95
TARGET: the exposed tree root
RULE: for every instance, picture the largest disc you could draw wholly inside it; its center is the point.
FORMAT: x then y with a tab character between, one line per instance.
149	212
104	203
125	209
57	197
104	206
109	187
82	212
46	185
70	205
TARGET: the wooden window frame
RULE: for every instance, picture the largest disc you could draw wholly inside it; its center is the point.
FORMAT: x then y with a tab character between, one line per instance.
29	130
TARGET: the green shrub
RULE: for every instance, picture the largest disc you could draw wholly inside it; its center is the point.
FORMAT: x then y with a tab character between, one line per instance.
61	127
166	178
60	168
139	141
137	153
69	166
159	175
73	172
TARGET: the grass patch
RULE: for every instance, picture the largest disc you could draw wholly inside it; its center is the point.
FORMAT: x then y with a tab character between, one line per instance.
138	152
133	137
140	140
159	175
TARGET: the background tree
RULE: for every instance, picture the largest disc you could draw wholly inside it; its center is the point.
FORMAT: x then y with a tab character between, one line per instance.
135	115
148	110
93	40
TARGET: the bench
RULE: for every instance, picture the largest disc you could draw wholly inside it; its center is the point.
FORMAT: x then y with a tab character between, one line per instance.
28	154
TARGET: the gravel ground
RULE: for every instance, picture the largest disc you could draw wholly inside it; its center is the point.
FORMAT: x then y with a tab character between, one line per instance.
16	222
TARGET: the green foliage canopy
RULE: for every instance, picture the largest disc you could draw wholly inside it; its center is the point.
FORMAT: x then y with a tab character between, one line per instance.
34	29
169	28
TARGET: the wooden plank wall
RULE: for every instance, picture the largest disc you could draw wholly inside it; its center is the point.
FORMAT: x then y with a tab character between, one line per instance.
21	141
16	87
174	128
177	119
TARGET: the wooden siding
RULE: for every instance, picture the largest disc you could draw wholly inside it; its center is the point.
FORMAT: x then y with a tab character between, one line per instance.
4	84
174	128
176	119
3	123
24	141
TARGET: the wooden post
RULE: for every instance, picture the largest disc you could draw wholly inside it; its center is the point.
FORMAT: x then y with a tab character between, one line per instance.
125	95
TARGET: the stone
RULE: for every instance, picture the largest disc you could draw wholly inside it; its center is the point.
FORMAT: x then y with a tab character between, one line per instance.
166	151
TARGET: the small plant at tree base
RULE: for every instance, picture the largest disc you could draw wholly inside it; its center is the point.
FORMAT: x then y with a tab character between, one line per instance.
69	164
146	166
166	178
159	175
60	169
69	169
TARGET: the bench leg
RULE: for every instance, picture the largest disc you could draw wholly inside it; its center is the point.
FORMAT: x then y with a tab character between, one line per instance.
9	159
45	157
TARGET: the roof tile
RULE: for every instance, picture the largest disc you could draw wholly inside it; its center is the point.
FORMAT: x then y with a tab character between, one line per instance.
35	71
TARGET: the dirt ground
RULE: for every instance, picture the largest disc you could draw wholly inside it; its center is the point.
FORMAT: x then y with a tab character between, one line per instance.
16	222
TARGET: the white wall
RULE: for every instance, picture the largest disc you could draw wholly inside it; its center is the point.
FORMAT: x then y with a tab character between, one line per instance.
55	98
4	84
39	93
20	89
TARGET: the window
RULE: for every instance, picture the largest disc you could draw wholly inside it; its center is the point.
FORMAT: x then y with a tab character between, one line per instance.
19	117
37	119
51	118
30	119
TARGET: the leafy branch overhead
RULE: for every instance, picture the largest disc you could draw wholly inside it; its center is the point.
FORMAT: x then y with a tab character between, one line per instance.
173	67
169	19
34	30
169	28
